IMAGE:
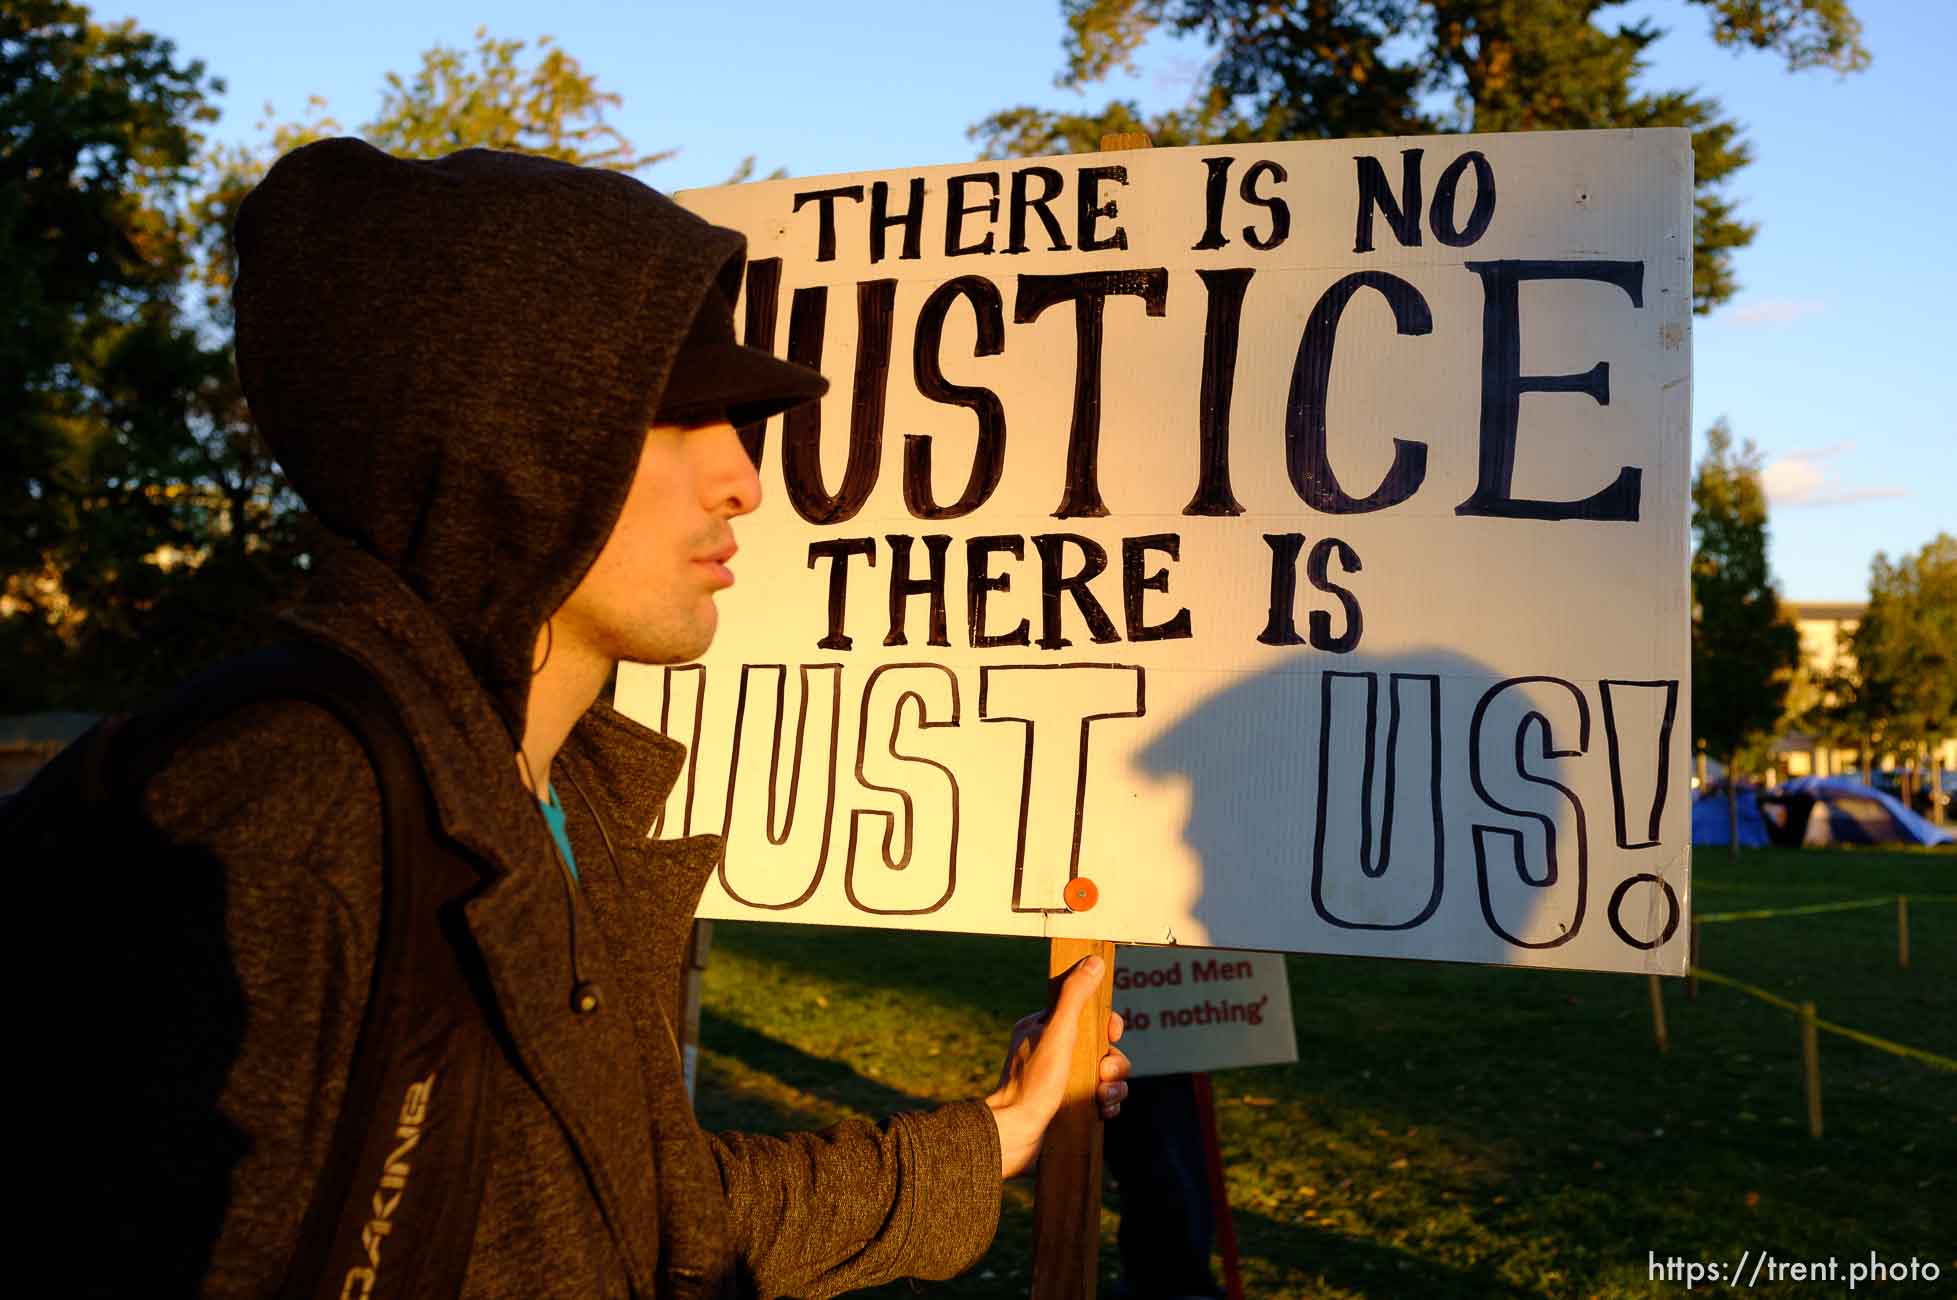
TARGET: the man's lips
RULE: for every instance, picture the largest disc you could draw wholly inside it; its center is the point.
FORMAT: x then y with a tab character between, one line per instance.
715	562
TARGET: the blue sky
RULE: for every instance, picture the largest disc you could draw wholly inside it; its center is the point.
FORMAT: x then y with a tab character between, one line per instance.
1836	356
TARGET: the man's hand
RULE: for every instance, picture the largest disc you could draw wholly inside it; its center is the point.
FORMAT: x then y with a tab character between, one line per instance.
1034	1078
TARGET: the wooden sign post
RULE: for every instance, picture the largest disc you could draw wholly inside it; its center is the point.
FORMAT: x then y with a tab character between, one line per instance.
1067	1189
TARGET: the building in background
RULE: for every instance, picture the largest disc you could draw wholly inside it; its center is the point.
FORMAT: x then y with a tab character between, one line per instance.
1824	629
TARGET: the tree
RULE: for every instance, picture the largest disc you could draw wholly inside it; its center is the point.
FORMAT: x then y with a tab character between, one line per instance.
1905	649
1743	652
144	527
98	137
553	108
1339	68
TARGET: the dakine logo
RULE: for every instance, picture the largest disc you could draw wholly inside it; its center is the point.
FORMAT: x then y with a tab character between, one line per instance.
361	1278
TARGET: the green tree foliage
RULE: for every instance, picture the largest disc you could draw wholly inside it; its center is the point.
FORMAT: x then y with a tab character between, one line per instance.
98	141
1905	649
551	107
1324	69
144	528
1743	652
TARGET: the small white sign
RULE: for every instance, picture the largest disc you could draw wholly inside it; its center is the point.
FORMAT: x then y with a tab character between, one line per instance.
1193	1009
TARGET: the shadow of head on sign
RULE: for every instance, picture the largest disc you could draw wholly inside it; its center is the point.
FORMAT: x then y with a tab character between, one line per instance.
1413	805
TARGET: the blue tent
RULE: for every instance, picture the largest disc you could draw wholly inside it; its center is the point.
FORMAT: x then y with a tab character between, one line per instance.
1709	824
1838	810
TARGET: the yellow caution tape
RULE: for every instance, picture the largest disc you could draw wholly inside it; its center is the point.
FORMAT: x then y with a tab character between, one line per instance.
1810	910
1867	1040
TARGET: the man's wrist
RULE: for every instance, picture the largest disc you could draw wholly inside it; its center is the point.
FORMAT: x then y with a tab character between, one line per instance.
1018	1136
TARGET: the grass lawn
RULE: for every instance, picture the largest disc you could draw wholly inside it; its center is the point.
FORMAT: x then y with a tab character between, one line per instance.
1456	1130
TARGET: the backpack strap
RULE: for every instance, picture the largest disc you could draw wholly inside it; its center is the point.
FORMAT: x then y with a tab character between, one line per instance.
394	1211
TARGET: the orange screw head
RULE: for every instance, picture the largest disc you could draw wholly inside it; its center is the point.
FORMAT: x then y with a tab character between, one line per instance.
1081	894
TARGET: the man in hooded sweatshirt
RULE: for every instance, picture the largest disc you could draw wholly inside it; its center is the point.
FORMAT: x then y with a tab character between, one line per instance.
505	387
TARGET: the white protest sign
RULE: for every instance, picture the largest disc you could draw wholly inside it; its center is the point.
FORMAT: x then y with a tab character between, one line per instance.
1287	539
1191	1009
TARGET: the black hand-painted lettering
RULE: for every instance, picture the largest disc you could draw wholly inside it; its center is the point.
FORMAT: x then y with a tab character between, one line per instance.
1215	190
1430	787
1552	870
1040	204
1224	290
1053	582
958	209
690	774
1054	750
837	551
1441	215
912	681
1666	929
1282	626
1320	621
801	434
1503	384
911	219
1280	210
761	303
981	582
903	586
989	455
1136	581
825	200
1089	292
778	823
1661	778
1311	380
1087	193
1402	214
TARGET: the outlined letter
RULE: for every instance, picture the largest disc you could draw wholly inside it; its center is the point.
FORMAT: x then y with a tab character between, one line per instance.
1647	785
1350	904
1056	760
1555	914
783	850
919	846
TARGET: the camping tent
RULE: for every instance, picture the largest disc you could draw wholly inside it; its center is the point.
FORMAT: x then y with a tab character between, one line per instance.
1709	824
1836	810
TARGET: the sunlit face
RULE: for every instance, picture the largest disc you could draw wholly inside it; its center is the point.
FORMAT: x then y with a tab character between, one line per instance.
648	598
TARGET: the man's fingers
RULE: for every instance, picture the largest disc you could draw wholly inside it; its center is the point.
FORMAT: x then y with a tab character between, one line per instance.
1081	982
1115	1065
1056	1046
1115	1025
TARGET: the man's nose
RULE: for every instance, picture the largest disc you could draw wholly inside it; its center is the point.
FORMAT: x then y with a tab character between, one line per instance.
736	481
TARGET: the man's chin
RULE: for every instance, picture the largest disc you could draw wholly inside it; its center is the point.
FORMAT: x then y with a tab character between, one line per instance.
673	646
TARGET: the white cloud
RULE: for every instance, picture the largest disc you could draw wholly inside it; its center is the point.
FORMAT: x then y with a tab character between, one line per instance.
1767	312
1806	478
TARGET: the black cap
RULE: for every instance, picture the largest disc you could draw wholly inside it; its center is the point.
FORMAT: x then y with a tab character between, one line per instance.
715	376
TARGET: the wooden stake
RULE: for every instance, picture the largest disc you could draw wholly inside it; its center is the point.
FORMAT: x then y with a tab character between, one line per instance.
693	980
1067	1189
1902	931
1226	1223
1692	966
1811	1067
1658	1015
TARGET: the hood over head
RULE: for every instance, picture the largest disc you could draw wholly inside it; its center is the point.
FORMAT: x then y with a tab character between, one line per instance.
456	361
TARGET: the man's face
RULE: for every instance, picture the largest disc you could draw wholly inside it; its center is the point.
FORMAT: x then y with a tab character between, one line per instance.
648	597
